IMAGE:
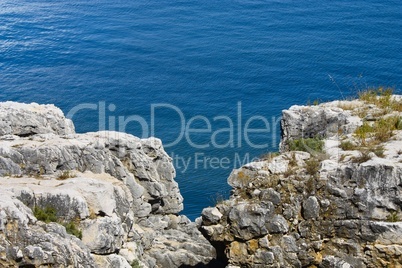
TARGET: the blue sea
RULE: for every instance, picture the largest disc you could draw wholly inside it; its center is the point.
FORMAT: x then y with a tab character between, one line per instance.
209	78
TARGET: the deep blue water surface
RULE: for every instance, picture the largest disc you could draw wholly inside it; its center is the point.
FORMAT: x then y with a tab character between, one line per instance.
200	59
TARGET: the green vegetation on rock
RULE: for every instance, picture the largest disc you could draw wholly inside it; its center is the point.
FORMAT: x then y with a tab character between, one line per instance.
48	214
307	145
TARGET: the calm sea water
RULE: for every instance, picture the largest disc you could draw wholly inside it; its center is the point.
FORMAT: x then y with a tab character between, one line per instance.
203	60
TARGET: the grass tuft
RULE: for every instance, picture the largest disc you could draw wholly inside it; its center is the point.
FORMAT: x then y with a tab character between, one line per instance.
347	146
363	157
312	166
307	145
393	217
66	174
135	264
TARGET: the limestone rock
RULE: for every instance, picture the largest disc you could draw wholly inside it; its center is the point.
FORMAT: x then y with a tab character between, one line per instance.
110	187
311	208
174	241
25	242
28	119
211	215
308	209
104	235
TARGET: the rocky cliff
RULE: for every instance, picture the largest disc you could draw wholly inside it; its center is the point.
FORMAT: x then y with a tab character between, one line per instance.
331	198
103	199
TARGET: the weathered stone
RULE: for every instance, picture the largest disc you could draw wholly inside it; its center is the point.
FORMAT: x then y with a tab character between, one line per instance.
311	208
271	195
112	261
211	215
104	235
28	119
249	220
325	209
334	262
114	188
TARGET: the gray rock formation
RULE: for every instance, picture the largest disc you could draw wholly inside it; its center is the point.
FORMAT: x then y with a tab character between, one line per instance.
25	120
336	208
112	189
26	241
109	199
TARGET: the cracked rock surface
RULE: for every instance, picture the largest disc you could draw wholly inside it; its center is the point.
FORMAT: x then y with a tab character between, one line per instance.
112	197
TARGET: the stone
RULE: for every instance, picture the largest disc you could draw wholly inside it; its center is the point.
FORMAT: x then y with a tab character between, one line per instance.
334	262
211	215
112	261
249	220
311	208
277	224
103	235
270	195
24	120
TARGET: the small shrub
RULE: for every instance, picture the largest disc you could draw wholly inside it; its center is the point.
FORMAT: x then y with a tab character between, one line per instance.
243	177
38	174
380	131
48	214
383	128
135	264
92	214
393	217
347	146
307	145
347	106
289	172
380	96
369	96
312	166
310	185
398	123
363	157
378	150
66	174
363	132
71	228
314	102
292	160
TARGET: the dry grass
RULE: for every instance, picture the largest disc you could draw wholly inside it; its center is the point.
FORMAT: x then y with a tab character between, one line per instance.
382	98
363	157
269	156
66	174
312	166
348	146
379	131
292	160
